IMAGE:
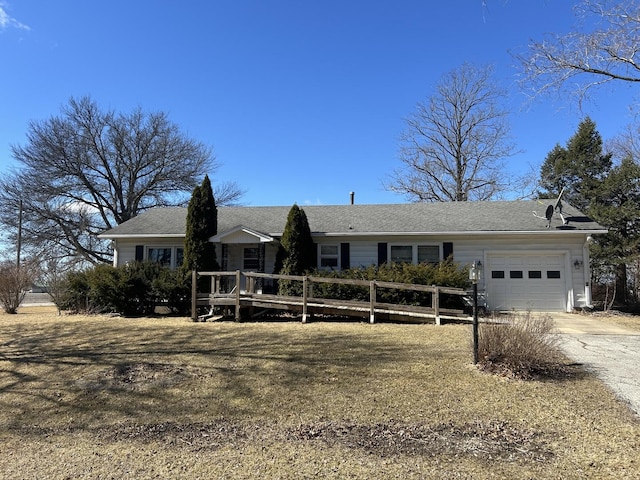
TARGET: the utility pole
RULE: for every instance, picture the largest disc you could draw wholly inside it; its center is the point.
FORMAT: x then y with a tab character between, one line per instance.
19	247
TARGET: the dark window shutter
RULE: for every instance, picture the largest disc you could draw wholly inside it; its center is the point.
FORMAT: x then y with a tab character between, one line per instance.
317	255
382	253
345	260
139	253
447	250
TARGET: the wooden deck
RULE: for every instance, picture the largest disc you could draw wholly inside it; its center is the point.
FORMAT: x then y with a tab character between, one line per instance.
228	293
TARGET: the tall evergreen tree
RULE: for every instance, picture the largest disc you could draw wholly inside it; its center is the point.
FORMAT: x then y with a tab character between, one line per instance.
202	223
551	181
296	254
210	217
579	168
617	206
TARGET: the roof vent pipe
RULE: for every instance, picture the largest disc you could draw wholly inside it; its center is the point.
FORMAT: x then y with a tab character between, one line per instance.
352	196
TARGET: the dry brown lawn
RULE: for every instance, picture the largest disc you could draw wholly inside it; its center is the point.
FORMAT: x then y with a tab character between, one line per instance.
618	318
100	397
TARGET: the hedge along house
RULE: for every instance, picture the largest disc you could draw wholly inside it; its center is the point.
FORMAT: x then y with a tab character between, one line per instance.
529	263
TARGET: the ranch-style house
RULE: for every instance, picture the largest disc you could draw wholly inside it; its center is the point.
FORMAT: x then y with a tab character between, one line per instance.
534	257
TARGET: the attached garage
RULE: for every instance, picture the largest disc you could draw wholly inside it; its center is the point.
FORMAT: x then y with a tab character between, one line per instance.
527	281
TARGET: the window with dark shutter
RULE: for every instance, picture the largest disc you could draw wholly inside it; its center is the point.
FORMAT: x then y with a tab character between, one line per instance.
447	250
382	253
345	261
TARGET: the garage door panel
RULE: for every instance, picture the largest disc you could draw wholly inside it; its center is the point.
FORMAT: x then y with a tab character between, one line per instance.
518	290
526	281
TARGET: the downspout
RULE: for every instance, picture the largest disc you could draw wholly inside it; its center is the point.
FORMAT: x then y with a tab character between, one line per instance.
587	272
114	245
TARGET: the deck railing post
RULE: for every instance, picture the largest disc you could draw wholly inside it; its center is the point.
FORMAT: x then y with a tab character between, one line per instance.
435	303
372	301
237	295
194	295
305	280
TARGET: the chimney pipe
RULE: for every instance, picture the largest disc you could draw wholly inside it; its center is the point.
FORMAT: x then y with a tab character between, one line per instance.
352	196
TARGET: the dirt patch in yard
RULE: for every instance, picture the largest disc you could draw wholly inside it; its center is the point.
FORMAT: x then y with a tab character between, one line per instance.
492	440
135	376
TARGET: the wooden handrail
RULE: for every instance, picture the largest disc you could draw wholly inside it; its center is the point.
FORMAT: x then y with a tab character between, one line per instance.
307	282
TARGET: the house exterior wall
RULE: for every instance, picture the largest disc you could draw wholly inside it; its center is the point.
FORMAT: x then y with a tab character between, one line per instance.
470	248
126	249
364	251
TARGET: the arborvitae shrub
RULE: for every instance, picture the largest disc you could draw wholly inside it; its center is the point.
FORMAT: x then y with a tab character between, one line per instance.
296	254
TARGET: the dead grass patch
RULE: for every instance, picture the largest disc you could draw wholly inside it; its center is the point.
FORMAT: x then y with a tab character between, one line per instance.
615	317
99	397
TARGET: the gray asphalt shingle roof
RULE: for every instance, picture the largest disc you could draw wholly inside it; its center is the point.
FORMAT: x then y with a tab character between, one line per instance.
411	218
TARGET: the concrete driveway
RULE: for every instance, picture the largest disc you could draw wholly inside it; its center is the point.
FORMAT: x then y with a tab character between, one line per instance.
611	352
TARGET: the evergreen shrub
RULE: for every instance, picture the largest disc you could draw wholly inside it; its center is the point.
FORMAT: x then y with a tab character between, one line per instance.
133	289
444	274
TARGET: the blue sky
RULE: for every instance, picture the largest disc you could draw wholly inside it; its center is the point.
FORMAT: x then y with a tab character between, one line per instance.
302	100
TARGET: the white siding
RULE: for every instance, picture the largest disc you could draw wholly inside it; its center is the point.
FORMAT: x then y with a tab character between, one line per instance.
363	252
127	248
470	248
126	253
466	250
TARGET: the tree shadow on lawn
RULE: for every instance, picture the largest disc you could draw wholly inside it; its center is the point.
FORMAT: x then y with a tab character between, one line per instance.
99	369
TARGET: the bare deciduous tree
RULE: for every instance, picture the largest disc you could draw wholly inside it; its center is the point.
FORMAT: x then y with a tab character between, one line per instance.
604	47
88	170
454	144
14	282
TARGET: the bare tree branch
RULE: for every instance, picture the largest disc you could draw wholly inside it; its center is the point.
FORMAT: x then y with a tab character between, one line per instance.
454	144
88	170
603	48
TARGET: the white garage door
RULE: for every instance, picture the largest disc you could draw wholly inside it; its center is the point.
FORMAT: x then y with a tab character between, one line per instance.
526	282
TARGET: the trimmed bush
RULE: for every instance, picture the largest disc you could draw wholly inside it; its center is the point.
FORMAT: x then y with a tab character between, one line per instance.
132	290
74	293
521	346
174	288
444	274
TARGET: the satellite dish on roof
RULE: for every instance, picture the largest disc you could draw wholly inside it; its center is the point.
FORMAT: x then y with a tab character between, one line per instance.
551	209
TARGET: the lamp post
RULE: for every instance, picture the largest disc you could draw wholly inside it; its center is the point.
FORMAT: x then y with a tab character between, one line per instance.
475	273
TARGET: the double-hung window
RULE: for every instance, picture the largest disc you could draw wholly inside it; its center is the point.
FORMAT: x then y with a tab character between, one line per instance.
428	253
402	253
414	253
166	256
329	256
161	255
251	258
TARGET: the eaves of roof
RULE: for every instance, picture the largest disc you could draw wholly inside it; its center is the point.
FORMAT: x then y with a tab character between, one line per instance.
455	218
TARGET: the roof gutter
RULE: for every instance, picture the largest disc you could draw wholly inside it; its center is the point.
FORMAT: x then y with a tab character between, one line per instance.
448	233
142	235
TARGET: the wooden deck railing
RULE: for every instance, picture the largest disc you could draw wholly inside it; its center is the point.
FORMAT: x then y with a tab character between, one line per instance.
226	290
